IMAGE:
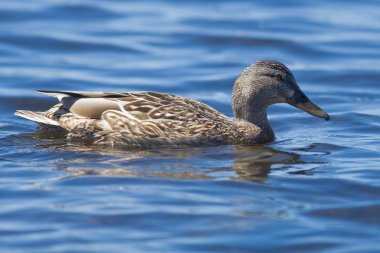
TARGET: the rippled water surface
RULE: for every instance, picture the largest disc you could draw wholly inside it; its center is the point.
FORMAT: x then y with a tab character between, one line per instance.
315	189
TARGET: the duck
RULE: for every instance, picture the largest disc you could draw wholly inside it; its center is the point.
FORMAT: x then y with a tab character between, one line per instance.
149	119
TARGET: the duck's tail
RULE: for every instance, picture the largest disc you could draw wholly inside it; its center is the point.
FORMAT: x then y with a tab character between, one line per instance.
38	117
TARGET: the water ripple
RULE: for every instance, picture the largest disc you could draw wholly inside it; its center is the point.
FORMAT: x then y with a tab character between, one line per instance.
314	189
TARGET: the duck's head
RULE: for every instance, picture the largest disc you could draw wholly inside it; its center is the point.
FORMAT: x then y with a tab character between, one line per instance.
268	82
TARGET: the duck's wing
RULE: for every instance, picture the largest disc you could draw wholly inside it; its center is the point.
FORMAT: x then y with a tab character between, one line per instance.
145	114
86	104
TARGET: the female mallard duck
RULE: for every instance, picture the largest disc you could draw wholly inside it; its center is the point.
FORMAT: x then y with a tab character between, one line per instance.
145	119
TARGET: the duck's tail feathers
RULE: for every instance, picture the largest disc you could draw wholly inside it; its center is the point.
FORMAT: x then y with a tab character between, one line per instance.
36	117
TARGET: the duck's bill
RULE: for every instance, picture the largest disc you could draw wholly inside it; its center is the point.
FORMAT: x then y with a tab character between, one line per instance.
302	102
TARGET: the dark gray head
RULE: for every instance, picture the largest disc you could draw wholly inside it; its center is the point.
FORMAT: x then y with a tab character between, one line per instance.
265	83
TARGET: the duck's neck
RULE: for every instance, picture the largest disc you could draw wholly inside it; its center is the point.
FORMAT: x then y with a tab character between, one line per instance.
249	104
255	124
257	117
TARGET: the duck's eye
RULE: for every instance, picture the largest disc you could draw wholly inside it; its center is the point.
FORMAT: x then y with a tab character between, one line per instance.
278	77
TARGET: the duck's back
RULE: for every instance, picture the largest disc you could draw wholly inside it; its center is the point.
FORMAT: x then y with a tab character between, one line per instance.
134	118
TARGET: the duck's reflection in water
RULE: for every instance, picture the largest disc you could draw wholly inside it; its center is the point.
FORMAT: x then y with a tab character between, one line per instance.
254	163
247	163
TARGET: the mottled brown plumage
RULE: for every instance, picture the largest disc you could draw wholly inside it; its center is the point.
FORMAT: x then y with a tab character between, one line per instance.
147	119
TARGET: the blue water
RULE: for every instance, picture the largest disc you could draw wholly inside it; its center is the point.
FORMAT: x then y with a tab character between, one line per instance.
315	189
